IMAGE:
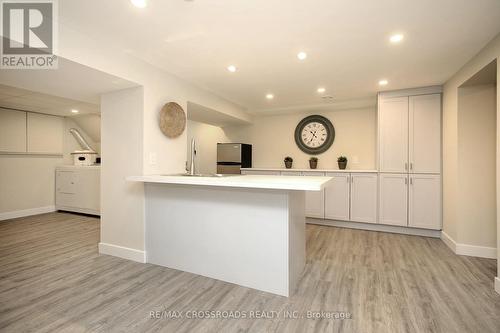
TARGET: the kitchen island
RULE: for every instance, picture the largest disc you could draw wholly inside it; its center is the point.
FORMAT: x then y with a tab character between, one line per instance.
244	229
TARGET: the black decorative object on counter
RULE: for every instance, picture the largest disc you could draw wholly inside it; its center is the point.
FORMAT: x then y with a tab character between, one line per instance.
342	161
288	162
313	162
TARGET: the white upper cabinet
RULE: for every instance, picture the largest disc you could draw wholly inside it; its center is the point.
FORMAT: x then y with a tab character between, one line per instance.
12	131
337	196
425	133
393	134
315	200
410	134
364	197
393	202
425	201
45	133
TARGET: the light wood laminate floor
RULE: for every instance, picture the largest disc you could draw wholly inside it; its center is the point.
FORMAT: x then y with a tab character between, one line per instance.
52	279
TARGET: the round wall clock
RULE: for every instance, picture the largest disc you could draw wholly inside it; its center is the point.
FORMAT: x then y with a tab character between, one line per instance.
314	134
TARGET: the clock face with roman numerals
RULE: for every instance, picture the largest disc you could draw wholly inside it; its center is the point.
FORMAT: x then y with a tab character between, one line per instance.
314	134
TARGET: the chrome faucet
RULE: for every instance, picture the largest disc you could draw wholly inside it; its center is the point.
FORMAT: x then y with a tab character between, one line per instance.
191	170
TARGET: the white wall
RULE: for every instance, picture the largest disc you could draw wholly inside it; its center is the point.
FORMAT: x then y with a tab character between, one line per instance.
272	138
91	124
477	166
207	137
451	174
27	182
122	202
159	87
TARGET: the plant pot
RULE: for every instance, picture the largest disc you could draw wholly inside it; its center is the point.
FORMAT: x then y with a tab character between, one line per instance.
313	164
342	165
288	164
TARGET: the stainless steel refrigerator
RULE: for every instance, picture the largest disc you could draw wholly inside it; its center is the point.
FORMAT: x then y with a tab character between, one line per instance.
231	157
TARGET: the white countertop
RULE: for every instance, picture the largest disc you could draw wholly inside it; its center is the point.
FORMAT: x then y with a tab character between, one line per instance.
244	181
312	170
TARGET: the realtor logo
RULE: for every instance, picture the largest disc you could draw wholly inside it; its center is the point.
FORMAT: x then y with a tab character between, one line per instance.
29	34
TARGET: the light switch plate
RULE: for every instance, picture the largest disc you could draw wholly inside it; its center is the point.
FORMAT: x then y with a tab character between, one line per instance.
152	158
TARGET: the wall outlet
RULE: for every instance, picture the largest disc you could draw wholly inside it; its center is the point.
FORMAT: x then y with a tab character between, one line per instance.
152	158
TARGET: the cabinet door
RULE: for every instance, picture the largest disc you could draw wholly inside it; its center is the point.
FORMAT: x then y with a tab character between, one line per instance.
12	131
425	134
291	173
66	181
337	197
393	134
425	201
45	133
260	172
393	199
66	189
88	192
364	197
315	200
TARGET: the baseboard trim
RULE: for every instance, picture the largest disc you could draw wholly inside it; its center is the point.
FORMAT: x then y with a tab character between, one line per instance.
376	227
449	241
469	250
122	252
26	212
497	284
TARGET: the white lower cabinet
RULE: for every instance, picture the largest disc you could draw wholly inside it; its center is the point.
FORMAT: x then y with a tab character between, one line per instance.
364	197
260	172
291	173
78	189
337	195
399	199
315	200
393	199
425	201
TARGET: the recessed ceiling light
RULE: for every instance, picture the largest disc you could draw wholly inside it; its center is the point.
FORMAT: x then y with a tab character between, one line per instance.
269	96
321	90
139	3
231	68
301	55
396	38
383	82
74	111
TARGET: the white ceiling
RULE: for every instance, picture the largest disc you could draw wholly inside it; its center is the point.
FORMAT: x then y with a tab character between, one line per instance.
346	42
71	86
202	114
27	100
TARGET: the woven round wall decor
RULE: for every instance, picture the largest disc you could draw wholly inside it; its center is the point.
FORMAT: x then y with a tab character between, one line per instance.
172	120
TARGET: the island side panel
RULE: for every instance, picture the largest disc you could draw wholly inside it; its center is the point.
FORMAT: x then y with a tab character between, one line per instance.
231	234
297	237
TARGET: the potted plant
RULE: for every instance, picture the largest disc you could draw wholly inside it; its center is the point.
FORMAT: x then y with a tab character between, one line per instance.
288	162
342	161
313	162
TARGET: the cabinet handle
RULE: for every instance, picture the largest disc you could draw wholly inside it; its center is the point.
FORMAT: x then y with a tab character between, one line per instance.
411	166
406	166
406	181
411	181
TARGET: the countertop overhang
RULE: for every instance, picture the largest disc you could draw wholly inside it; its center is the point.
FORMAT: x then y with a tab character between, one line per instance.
294	183
312	170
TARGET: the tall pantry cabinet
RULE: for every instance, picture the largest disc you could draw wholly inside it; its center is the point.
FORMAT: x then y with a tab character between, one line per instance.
409	145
